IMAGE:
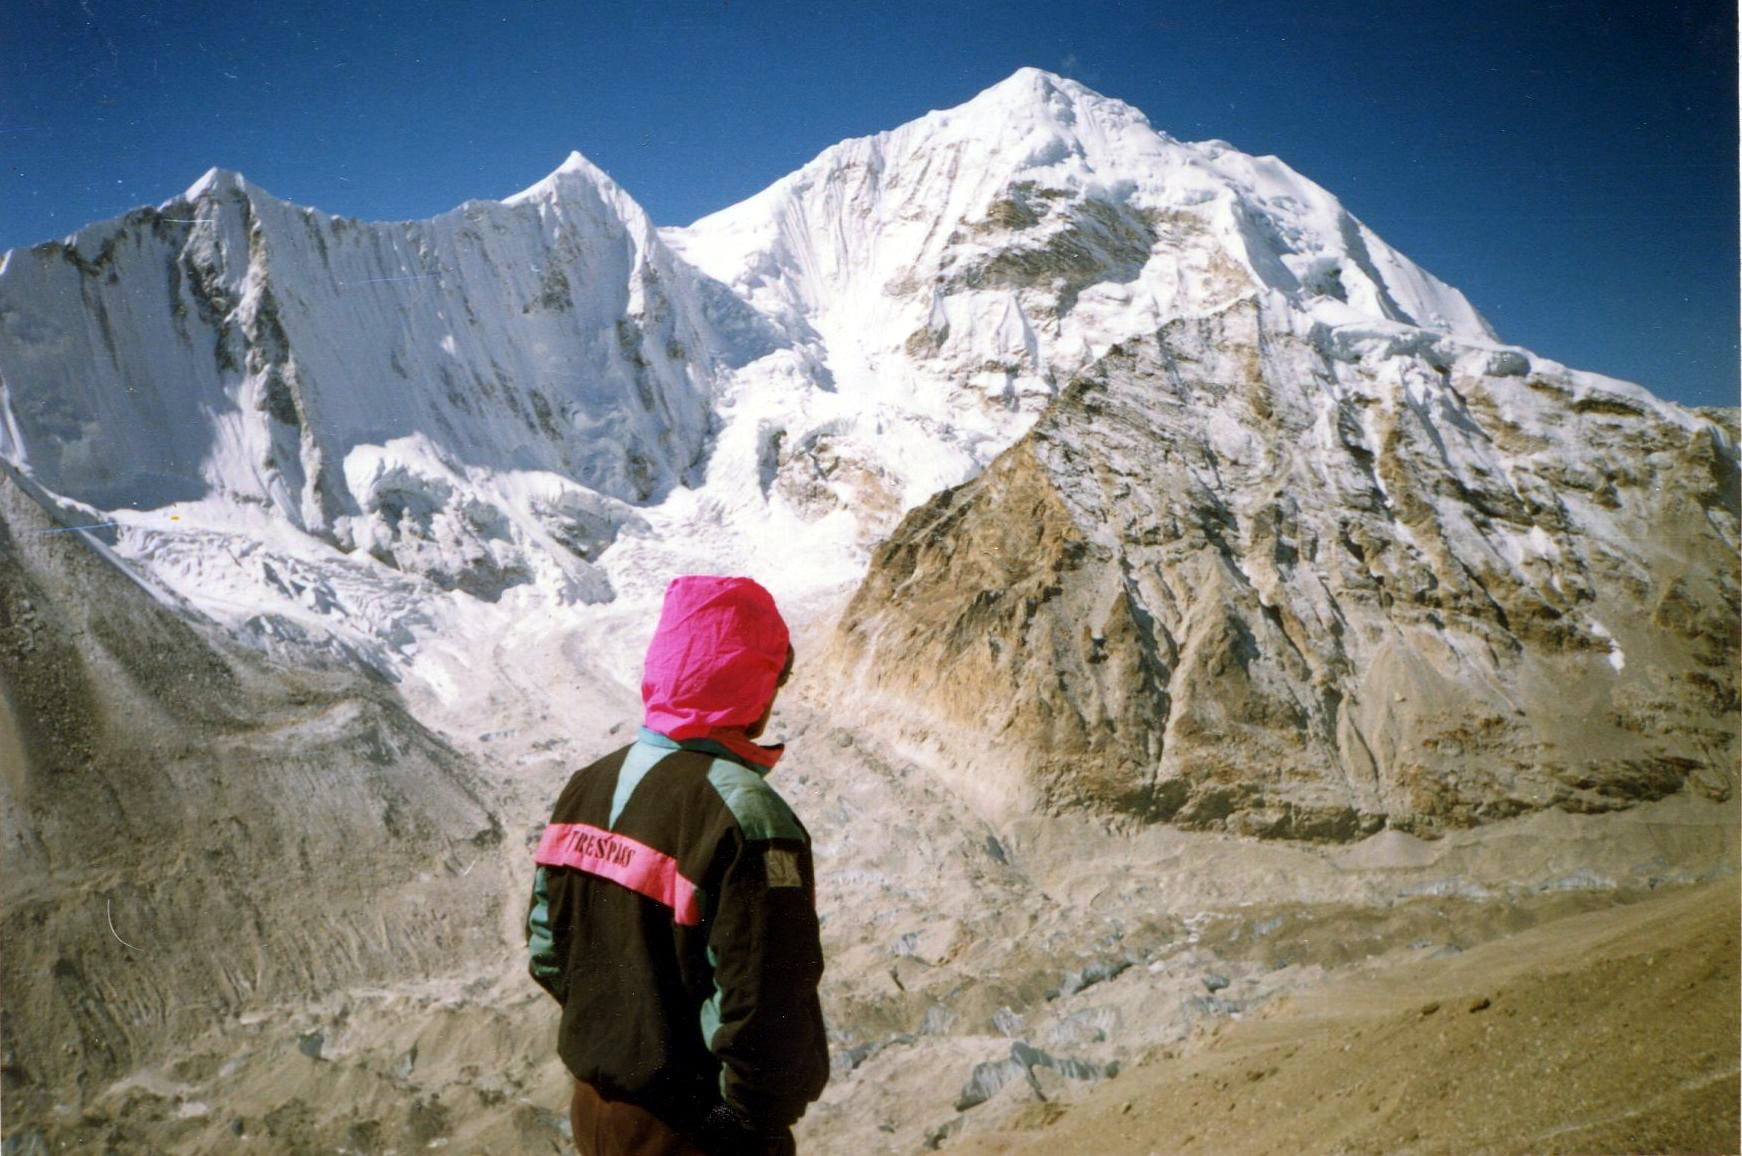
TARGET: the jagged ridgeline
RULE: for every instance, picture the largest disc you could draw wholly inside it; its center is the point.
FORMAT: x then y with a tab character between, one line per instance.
357	380
1305	549
1266	576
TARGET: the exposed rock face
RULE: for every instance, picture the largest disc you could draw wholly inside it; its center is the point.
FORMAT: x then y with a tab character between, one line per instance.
1323	555
191	831
531	399
1306	582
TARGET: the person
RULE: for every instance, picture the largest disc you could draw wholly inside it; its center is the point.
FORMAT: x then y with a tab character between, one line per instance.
673	910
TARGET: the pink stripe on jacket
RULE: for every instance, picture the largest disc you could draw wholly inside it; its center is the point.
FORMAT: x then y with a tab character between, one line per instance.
621	859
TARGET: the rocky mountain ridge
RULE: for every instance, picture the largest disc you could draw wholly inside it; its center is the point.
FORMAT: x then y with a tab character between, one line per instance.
1234	578
1325	475
370	385
170	801
340	436
489	399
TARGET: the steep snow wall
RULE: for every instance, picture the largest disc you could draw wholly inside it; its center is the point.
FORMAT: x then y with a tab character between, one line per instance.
1013	239
951	275
229	345
488	399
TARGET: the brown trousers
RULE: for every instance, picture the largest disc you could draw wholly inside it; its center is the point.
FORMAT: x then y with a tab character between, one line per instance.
611	1128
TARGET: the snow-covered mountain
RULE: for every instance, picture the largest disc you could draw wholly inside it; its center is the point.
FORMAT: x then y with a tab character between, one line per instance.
474	399
1033	227
953	274
1248	573
378	439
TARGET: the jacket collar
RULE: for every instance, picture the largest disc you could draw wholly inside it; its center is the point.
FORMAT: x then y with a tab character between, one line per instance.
726	742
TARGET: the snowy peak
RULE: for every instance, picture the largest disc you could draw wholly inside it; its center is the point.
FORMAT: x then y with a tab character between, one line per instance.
975	258
579	181
575	174
1032	117
575	164
471	399
215	180
1029	85
548	393
969	170
1060	117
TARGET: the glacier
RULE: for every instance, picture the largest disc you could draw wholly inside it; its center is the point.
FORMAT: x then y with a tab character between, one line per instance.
367	441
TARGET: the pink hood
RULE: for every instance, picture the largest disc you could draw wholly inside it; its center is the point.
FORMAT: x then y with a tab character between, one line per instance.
714	662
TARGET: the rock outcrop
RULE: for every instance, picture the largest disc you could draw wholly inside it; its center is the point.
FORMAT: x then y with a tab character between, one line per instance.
366	383
1272	577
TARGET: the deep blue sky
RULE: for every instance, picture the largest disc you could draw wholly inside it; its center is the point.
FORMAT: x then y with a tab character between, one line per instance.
1572	167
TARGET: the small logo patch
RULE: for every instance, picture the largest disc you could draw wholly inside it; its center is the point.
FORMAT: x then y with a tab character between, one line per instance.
782	868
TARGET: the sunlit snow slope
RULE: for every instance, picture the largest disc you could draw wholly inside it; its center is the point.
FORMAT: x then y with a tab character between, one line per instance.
1114	485
1033	227
455	397
319	429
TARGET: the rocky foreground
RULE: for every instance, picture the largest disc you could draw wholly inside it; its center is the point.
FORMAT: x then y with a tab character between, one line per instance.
983	980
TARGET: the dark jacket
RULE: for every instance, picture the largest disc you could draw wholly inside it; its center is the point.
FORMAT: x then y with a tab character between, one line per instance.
673	916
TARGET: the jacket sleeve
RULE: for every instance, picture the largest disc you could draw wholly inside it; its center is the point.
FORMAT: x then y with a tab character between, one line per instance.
768	960
547	954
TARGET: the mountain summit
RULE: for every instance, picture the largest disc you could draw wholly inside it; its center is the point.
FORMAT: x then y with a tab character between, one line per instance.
1039	190
1205	417
954	273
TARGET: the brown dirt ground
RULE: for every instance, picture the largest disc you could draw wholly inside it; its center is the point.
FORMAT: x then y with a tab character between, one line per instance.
1612	1031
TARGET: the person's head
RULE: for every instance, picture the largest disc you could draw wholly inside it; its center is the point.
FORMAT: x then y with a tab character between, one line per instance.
718	657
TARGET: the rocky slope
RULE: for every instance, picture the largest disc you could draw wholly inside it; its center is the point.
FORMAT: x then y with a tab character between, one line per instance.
1610	1032
193	834
1306	582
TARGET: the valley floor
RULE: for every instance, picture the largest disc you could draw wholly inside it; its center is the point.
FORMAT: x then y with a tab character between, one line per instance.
1040	983
1556	1021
